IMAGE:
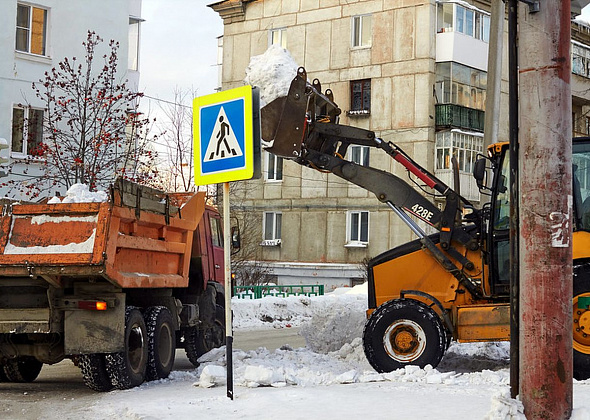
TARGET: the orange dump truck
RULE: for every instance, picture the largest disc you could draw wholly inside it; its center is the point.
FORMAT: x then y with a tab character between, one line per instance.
116	286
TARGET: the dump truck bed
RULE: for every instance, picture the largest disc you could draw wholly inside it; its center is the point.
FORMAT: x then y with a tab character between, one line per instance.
137	239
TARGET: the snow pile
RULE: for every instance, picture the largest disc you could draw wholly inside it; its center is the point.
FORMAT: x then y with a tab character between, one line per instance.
80	193
505	408
272	72
327	322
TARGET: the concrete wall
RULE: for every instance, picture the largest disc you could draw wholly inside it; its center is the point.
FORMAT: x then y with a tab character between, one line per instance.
400	64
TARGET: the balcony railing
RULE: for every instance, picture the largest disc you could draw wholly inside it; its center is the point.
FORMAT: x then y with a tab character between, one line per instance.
458	116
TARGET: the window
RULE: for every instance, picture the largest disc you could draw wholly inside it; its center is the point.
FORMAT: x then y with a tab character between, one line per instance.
360	97
357	228
464	146
461	18
274	167
272	228
27	132
460	85
360	155
278	37
133	57
31	29
216	236
361	31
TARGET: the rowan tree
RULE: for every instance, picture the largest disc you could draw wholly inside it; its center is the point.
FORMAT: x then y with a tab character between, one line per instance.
92	129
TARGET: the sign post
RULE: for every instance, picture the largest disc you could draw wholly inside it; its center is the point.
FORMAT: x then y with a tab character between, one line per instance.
227	148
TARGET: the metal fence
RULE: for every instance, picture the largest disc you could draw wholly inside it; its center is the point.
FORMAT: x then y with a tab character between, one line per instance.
257	292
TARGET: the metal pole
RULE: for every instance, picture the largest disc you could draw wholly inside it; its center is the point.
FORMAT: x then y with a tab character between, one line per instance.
493	90
545	167
513	127
228	292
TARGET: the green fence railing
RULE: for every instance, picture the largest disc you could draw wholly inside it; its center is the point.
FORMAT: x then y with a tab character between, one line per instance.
257	292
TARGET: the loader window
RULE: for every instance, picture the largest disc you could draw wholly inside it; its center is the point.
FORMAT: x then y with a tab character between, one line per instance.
581	183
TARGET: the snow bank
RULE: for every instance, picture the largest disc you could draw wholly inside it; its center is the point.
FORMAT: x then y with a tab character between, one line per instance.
272	72
80	193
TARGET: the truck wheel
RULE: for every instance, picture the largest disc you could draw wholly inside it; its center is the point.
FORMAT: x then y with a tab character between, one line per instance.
94	372
201	340
127	369
581	326
22	369
161	342
403	332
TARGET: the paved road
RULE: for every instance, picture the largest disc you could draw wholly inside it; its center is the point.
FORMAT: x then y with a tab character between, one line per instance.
62	384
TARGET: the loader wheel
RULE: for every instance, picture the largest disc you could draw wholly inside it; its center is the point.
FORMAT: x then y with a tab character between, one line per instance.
161	342
94	372
22	369
201	340
581	326
404	332
127	369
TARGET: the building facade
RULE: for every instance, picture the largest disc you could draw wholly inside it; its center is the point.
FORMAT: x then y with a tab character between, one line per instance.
414	72
34	38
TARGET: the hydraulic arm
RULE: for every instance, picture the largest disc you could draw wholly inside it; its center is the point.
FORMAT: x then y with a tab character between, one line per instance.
303	126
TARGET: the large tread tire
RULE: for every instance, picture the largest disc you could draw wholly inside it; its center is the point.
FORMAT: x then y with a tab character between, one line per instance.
127	369
404	332
22	369
201	340
94	372
581	317
161	342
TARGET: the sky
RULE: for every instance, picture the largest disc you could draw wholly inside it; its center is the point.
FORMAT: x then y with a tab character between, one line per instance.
178	47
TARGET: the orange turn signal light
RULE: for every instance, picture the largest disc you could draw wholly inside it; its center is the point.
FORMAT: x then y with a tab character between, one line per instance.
92	305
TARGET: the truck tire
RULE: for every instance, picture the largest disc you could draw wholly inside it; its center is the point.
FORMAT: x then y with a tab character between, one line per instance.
22	369
161	342
127	369
581	325
203	339
94	372
404	332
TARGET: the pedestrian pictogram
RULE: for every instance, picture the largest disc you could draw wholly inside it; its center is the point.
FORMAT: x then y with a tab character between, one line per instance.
224	133
223	142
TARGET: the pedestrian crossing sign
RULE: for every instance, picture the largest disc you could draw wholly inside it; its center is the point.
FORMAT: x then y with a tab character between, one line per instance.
225	127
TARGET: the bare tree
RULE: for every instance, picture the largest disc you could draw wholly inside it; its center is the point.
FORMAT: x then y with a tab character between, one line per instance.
177	138
92	129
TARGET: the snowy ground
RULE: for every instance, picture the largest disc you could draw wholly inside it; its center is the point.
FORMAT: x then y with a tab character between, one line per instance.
329	378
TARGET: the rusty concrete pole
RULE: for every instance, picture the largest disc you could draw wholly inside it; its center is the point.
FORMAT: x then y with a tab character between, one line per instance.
545	210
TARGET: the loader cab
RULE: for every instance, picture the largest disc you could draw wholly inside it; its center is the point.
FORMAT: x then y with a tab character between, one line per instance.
498	244
581	183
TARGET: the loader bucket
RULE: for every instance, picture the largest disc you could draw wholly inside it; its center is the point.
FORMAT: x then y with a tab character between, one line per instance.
284	120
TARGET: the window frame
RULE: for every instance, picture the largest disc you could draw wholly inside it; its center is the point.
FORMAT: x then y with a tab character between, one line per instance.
30	30
358	27
357	239
133	57
464	146
272	237
365	95
274	173
24	150
282	36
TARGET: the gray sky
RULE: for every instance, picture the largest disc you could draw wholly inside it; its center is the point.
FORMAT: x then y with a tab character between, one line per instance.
178	47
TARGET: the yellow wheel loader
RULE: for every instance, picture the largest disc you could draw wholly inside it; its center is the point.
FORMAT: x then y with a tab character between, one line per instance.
453	284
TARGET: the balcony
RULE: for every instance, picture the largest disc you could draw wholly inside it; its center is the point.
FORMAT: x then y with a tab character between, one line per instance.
458	116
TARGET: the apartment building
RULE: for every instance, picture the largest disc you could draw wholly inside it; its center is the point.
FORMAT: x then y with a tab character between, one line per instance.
413	71
34	38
